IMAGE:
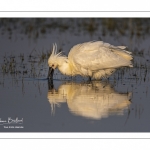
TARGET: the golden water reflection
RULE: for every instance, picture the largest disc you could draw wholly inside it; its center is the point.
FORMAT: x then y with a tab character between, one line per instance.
94	100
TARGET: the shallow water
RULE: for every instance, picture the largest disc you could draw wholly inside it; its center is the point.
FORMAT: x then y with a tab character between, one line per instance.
119	104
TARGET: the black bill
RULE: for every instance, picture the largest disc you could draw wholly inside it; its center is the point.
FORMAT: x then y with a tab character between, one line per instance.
50	73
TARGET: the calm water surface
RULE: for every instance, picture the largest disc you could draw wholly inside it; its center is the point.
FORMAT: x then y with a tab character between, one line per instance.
30	103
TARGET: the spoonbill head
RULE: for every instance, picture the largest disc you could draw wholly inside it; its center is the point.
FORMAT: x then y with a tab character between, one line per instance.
94	59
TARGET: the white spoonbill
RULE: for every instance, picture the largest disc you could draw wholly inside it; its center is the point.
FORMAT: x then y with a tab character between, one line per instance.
94	59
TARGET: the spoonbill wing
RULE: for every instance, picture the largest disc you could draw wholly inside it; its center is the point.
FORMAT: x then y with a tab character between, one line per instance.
99	55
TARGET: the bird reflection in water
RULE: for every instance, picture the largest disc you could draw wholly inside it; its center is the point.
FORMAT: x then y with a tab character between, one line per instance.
94	100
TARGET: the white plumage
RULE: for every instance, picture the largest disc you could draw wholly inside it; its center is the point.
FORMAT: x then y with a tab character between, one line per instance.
94	59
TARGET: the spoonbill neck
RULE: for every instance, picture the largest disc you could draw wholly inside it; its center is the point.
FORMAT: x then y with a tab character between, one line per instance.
65	67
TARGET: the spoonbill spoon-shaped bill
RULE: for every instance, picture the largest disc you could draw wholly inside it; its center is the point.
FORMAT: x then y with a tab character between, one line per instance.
50	73
94	59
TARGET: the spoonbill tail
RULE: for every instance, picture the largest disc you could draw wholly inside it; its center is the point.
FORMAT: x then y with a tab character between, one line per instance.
94	59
